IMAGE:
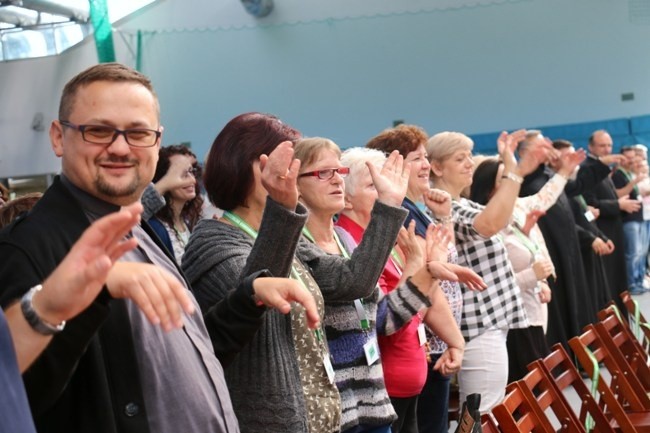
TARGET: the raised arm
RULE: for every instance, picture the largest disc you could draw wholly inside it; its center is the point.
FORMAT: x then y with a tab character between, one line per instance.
219	256
153	196
548	195
283	218
498	210
342	279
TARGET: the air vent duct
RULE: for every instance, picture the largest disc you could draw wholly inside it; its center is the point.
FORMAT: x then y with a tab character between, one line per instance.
258	8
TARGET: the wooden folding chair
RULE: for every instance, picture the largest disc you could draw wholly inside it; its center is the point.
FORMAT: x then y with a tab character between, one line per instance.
564	377
626	410
489	424
639	324
537	386
610	309
625	350
516	414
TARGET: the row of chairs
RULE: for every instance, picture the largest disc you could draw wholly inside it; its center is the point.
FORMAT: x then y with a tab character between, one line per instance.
614	355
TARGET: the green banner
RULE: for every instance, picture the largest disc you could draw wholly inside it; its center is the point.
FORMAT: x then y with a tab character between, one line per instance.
103	31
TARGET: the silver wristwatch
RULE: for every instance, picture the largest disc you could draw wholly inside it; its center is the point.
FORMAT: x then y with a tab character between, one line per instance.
35	321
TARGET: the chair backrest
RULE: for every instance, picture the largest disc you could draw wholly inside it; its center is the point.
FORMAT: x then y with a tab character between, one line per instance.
489	424
516	414
564	377
615	395
640	326
537	387
626	352
612	309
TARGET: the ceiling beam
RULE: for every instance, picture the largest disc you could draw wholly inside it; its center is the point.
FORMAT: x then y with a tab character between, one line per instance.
76	11
18	16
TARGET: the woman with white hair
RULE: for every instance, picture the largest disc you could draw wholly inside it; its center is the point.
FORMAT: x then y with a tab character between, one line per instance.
487	315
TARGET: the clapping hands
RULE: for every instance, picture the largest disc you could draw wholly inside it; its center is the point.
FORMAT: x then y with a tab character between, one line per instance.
280	173
391	182
535	155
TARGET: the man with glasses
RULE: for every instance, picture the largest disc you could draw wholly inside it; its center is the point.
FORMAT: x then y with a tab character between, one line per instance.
111	369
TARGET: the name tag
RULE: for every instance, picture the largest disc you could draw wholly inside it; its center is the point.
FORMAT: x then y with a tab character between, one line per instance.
329	369
590	216
371	349
422	334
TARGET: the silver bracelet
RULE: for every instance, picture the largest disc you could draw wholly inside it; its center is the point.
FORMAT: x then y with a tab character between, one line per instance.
35	321
444	220
513	177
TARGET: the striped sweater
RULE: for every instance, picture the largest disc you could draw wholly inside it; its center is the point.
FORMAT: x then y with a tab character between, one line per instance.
364	399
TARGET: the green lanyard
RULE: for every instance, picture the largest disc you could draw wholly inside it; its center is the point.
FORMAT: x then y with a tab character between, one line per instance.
528	243
396	259
589	421
358	303
581	200
638	324
310	237
240	224
616	311
629	178
250	231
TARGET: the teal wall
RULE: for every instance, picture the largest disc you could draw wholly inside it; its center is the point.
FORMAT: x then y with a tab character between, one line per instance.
346	69
480	69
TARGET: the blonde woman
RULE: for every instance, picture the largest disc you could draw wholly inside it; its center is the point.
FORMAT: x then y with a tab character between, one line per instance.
486	315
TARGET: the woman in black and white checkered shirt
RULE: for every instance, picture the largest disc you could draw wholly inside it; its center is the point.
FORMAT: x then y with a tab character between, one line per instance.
487	315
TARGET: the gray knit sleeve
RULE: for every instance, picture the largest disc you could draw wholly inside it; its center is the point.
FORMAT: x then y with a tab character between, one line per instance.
276	240
218	256
151	201
401	305
342	279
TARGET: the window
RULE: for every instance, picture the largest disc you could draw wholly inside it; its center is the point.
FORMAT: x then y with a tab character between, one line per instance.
28	33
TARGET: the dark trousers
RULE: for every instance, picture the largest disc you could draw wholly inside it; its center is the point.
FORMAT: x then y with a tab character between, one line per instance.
407	420
524	346
366	429
433	404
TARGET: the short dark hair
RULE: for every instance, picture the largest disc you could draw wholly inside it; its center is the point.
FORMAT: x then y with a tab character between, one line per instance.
484	180
524	144
561	144
114	72
228	172
628	148
193	208
403	138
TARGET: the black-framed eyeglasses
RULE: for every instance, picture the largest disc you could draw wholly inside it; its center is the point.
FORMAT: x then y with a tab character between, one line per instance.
103	134
195	172
327	173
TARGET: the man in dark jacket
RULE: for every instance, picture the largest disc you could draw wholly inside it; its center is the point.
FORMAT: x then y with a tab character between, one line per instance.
567	315
111	369
67	291
605	198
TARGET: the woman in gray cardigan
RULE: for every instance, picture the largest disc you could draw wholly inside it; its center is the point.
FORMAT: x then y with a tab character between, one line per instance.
283	380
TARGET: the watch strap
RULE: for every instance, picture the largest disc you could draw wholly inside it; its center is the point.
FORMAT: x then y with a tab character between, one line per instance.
35	321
